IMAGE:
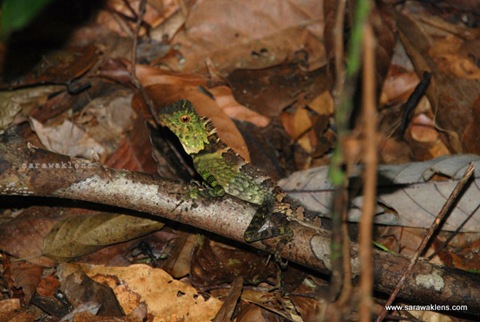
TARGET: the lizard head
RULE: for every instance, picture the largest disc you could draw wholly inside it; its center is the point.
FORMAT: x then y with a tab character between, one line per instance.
181	118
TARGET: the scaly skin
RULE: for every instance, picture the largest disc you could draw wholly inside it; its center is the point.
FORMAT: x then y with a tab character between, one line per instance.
222	169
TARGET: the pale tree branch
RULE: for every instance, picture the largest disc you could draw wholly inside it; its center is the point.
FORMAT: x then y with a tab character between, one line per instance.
29	171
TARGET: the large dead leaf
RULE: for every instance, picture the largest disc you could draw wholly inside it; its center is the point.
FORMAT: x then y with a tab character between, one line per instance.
408	195
22	236
451	96
270	90
26	276
81	290
68	139
12	102
249	33
453	55
167	299
80	235
134	153
119	16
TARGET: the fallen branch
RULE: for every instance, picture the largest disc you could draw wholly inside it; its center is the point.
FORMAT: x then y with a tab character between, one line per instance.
29	171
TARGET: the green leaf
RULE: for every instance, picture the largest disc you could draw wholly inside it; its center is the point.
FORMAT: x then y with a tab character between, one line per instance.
384	248
16	14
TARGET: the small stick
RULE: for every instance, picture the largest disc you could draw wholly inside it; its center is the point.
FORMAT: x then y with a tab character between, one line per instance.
138	25
135	81
436	223
370	147
449	239
413	101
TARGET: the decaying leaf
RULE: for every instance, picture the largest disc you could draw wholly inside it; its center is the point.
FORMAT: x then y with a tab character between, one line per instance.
8	110
167	299
12	102
80	235
78	142
451	96
408	194
255	34
227	102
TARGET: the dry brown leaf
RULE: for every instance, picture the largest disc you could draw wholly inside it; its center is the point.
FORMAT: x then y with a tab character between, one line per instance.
230	302
134	153
306	143
165	297
224	98
398	85
68	139
425	138
214	263
249	33
108	118
83	292
48	286
62	67
302	122
463	258
251	313
149	75
9	305
8	110
423	129
270	90
448	56
451	97
26	276
17	316
297	126
322	104
393	151
183	261
269	302
22	236
155	14
12	102
11	310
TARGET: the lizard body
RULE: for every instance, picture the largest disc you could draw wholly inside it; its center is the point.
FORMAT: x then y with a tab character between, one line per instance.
223	169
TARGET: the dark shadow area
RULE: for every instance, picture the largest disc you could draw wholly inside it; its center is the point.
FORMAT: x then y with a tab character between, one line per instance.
22	202
49	31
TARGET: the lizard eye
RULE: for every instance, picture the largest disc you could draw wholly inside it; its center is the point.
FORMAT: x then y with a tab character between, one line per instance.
185	119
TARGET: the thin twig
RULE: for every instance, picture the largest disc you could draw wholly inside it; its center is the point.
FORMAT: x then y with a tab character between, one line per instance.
433	227
370	160
338	34
138	25
135	81
453	234
341	268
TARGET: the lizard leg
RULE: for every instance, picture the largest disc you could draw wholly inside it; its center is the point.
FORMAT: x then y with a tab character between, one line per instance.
266	224
210	189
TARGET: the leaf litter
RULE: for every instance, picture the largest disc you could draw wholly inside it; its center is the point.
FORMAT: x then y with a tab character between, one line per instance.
252	51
